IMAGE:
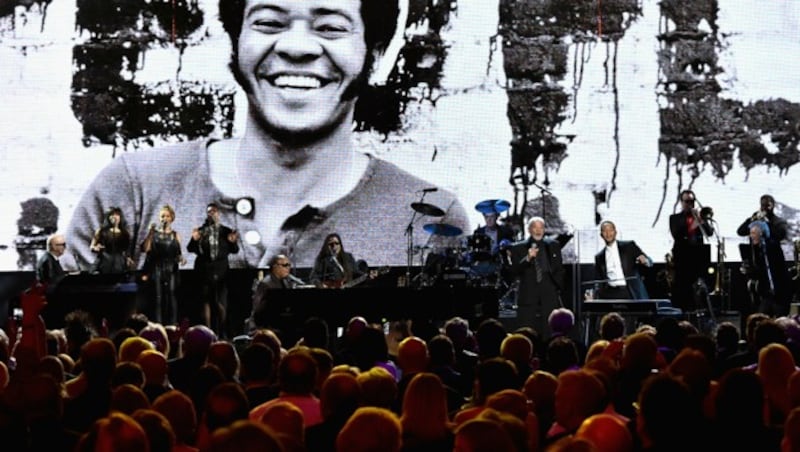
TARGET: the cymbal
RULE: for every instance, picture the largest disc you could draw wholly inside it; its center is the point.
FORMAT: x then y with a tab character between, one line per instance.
446	230
427	209
492	206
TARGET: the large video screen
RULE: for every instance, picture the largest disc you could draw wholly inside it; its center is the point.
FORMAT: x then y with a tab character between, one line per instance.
577	112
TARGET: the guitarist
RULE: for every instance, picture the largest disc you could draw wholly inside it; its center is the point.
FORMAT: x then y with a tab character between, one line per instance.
334	267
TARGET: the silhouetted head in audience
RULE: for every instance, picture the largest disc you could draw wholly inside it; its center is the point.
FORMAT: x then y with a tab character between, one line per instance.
196	341
245	436
371	429
315	333
154	366
607	432
340	396
489	336
128	398
132	347
791	432
179	410
612	326
116	432
286	420
223	355
157	335
482	435
226	403
158	429
412	355
297	372
518	349
128	372
561	321
494	375
79	329
457	329
579	394
441	351
256	364
378	387
98	361
561	355
425	414
669	417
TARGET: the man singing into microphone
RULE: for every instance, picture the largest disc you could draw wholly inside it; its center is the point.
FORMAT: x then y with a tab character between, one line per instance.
212	243
617	265
537	262
778	228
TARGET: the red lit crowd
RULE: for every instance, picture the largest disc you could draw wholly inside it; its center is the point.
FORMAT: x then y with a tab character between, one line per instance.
453	386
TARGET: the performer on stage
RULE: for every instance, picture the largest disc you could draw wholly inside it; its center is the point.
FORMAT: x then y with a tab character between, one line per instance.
537	262
690	255
212	243
298	169
48	267
618	266
111	243
778	227
764	264
280	277
494	231
334	267
163	249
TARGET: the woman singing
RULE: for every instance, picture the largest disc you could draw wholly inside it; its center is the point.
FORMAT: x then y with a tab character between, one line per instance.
112	244
163	248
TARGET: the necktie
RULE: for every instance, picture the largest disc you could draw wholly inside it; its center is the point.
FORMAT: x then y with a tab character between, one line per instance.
538	266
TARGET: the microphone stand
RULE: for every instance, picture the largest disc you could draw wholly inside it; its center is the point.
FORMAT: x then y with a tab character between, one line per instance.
410	242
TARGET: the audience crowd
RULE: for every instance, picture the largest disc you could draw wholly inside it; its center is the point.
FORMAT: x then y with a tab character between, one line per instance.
148	387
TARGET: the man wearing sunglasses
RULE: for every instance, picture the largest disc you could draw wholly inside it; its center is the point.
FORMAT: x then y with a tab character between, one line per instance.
280	277
48	268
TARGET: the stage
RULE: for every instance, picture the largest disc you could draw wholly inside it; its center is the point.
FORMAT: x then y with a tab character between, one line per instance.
380	300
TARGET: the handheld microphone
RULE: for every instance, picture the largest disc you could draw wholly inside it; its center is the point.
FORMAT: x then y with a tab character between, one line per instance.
429	190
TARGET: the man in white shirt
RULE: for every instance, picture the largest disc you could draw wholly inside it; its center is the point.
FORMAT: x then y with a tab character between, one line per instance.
617	266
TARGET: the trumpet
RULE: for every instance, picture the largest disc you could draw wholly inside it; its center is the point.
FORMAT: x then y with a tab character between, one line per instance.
758	215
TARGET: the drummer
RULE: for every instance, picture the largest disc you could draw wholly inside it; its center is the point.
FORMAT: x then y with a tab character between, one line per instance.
492	229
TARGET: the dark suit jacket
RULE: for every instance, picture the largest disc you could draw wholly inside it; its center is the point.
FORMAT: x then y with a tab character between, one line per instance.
213	269
628	252
527	271
756	270
48	269
778	227
680	232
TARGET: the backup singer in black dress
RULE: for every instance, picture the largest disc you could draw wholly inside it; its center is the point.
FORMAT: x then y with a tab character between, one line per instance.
112	244
163	248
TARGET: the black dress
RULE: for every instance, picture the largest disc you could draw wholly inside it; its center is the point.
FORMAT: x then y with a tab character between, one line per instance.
162	266
113	258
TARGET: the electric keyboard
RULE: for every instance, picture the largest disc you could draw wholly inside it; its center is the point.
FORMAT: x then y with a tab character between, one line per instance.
648	306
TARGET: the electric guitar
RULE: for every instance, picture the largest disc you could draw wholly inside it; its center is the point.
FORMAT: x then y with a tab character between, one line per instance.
341	284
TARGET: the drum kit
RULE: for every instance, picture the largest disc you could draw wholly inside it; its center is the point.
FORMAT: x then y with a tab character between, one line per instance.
473	263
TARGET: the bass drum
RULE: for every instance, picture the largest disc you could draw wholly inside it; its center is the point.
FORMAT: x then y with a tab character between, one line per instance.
479	247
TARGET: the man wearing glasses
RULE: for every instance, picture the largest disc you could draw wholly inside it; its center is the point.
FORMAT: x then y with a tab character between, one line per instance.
48	268
691	256
280	277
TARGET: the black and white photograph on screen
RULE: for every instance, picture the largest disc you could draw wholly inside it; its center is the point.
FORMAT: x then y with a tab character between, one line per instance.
396	126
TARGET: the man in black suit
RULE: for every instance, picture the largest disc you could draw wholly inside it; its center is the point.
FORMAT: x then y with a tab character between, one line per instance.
764	264
537	262
212	243
279	277
48	268
691	257
618	266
